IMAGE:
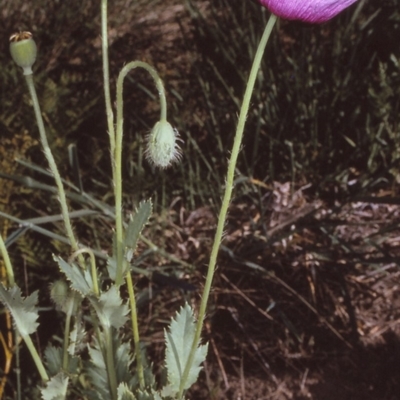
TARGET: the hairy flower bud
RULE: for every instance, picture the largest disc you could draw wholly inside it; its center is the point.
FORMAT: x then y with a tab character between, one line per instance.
59	292
313	11
23	50
162	148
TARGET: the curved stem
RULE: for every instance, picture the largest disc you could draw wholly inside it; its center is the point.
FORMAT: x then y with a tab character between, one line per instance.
53	167
121	263
227	195
118	153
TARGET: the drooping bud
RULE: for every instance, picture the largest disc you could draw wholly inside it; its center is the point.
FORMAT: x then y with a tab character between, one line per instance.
162	148
23	50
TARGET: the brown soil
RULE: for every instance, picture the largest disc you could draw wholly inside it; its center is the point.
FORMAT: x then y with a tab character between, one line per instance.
305	303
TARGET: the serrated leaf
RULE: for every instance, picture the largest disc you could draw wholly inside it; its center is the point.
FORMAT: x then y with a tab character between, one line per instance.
123	359
149	378
135	227
140	395
124	393
96	356
110	309
56	388
157	396
112	261
179	340
151	395
76	338
112	267
23	310
81	280
53	357
74	364
97	370
168	392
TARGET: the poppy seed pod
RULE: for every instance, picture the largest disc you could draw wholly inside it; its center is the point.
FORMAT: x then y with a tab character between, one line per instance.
23	50
313	11
162	148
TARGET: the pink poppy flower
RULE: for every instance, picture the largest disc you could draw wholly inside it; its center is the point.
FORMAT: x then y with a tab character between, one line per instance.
313	11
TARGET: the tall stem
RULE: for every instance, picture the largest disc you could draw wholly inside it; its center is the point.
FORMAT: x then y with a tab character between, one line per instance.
135	330
36	358
67	329
227	195
53	167
106	81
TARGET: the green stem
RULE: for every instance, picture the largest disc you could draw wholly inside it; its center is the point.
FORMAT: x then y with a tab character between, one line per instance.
227	196
135	330
17	368
72	300
39	365
118	153
7	262
67	330
53	167
106	80
112	377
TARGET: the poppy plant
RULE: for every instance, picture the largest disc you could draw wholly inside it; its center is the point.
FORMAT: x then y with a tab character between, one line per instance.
313	11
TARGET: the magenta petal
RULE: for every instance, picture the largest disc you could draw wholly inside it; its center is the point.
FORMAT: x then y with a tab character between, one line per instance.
307	10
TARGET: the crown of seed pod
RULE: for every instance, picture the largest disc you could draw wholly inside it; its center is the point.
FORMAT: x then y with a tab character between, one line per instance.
23	50
162	148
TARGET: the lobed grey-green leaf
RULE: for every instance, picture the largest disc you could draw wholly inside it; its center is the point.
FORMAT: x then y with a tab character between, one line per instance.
135	227
179	340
